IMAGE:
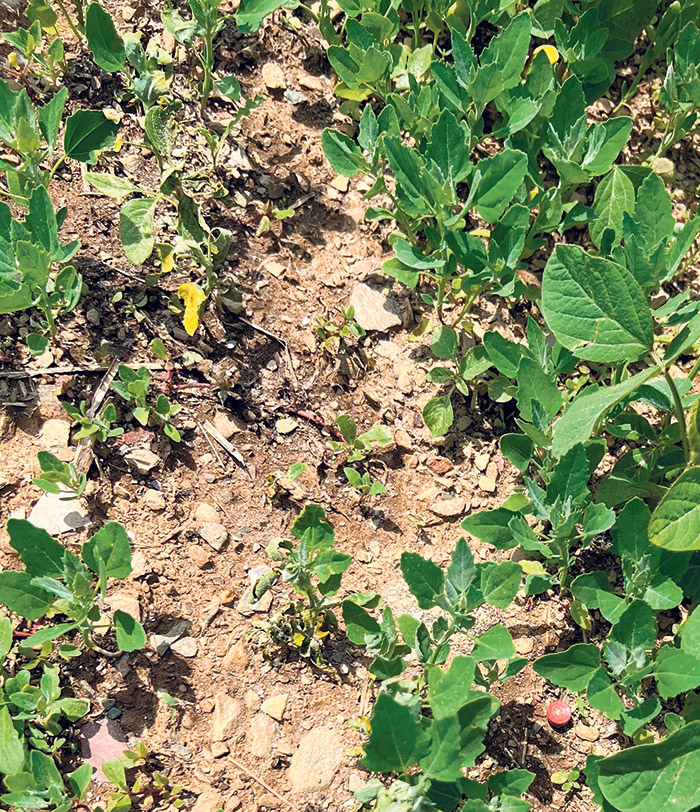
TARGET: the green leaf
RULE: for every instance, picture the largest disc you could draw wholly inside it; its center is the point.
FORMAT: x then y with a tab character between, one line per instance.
161	128
50	116
589	407
113	768
11	750
602	696
397	740
461	572
438	415
570	477
104	42
496	179
79	780
111	185
251	13
518	450
571	669
675	523
675	672
20	596
613	197
635	718
87	133
494	644
5	638
130	633
445	342
511	782
109	546
535	385
359	624
448	148
595	307
654	777
38	551
423	577
636	627
37	343
136	229
342	153
500	582
594	591
313	530
492	527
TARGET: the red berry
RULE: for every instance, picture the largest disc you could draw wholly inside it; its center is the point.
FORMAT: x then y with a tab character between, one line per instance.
558	713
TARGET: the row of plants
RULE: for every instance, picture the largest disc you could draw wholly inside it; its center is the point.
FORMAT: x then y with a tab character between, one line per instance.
472	127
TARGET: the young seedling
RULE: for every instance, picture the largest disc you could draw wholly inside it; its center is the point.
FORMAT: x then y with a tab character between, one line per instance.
358	446
314	569
59	477
132	386
101	426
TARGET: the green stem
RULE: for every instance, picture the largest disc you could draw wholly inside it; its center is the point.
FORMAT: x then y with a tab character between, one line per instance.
208	65
694	371
679	412
56	166
70	22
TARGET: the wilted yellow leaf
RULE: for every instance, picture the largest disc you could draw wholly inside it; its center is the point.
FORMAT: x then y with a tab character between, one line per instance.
550	51
192	297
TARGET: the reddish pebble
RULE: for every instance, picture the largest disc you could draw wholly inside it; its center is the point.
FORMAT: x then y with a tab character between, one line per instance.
559	713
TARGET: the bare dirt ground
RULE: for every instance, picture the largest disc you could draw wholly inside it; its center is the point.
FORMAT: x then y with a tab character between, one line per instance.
228	744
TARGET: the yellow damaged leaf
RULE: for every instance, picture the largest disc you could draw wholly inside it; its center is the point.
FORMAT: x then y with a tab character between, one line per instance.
192	297
550	51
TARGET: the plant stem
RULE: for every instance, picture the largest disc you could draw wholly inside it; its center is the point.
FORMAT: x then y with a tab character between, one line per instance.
56	167
70	22
679	412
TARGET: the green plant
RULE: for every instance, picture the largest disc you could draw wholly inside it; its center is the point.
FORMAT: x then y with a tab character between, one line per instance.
58	476
100	426
205	24
314	569
567	780
132	386
55	581
146	785
31	52
32	717
280	483
333	337
363	482
358	446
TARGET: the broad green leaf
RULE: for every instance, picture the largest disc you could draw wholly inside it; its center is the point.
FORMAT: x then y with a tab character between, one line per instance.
313	530
111	185
602	696
594	591
438	415
461	571
445	342
494	644
109	545
496	179
136	229
39	552
359	624
589	407
448	148
675	523
423	577
130	633
50	116
397	740
570	477
113	768
11	750
605	142
654	777
500	582
251	13
675	672
571	669
690	632
595	307
535	386
636	627
20	596
491	526
106	45
613	197
79	780
635	718
87	133
161	128
653	211
518	450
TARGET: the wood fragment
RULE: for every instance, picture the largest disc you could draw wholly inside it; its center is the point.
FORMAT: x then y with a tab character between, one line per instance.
259	780
226	445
